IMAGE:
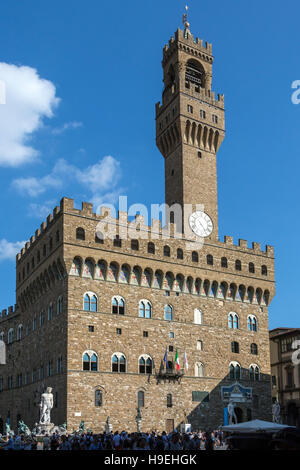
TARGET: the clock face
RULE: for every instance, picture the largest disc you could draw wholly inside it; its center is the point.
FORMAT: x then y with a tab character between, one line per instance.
201	224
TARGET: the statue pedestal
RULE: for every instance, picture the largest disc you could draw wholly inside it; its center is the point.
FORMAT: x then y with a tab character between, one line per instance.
45	428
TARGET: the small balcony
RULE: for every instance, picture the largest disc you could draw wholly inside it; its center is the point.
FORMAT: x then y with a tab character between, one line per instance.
170	374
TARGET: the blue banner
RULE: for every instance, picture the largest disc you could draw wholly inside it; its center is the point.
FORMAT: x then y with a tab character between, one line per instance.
225	414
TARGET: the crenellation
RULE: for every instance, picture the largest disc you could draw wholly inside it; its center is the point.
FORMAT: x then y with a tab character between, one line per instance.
43	227
243	244
37	233
56	211
228	240
32	240
87	208
66	204
256	247
49	219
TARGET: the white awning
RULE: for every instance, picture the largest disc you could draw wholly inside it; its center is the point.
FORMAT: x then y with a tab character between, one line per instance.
255	425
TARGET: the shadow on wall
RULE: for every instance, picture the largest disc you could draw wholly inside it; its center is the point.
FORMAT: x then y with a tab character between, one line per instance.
252	399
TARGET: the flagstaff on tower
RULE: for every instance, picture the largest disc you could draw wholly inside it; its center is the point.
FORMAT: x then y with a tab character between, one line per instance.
185	21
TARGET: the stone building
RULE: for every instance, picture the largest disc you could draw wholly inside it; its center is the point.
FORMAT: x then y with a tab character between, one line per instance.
99	318
285	373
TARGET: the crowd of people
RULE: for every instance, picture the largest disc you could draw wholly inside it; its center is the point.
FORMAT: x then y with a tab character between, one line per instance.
154	441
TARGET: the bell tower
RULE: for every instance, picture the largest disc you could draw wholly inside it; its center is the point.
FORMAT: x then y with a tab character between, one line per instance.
190	124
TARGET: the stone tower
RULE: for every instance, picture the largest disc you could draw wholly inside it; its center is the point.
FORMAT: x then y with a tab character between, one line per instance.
190	124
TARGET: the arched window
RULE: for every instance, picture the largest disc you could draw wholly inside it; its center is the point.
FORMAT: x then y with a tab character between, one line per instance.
197	317
252	323
195	257
210	260
264	270
233	321
254	349
10	336
194	73
145	364
168	312
254	372
235	347
179	253
118	363
94	362
199	345
20	332
234	371
90	361
118	305
224	262
199	369
99	238
167	251
98	398
90	302
238	265
251	268
135	245
50	311
141	399
80	233
169	400
59	305
145	309
151	248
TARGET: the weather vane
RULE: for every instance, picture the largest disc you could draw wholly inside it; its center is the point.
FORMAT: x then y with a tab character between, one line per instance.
185	19
184	16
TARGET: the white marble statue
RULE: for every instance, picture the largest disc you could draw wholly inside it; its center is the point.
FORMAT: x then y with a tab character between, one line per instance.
231	413
276	412
46	406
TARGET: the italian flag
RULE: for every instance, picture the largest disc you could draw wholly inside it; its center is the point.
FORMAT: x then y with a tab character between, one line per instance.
177	360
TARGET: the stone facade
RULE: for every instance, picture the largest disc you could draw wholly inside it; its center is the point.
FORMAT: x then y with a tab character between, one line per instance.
285	373
61	264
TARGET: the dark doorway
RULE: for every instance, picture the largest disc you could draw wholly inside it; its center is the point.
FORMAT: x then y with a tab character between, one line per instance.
292	414
239	414
1	426
169	425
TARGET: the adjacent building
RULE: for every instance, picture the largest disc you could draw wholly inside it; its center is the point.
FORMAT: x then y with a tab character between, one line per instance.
285	371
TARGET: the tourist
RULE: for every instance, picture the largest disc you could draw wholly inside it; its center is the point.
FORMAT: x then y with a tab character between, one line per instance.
46	442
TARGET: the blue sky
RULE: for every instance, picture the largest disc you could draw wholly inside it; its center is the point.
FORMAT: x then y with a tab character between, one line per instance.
94	70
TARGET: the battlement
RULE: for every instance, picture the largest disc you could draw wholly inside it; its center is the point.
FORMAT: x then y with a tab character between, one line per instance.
186	42
138	224
8	312
198	93
38	233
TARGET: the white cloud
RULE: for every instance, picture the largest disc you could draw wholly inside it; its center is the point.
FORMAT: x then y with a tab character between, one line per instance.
8	250
100	179
34	187
28	100
41	210
67	126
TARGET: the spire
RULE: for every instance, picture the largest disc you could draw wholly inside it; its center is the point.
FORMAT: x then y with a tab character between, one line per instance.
185	22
